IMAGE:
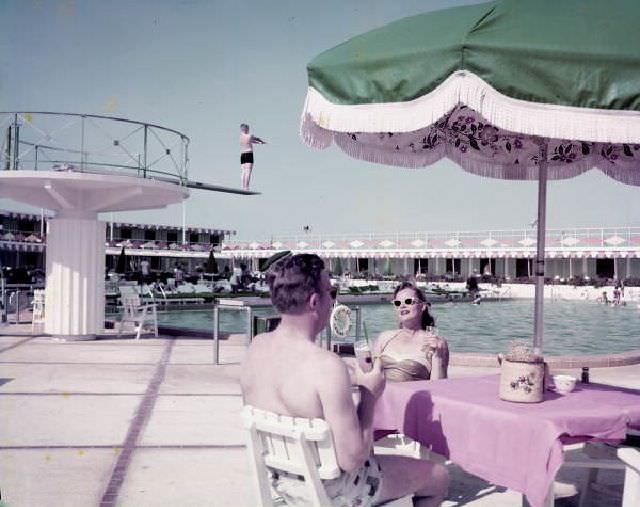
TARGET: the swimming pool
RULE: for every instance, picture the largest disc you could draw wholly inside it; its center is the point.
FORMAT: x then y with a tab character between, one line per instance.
571	327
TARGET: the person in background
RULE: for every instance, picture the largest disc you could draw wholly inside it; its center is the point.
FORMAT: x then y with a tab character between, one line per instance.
236	279
246	156
407	353
616	295
178	274
285	372
472	285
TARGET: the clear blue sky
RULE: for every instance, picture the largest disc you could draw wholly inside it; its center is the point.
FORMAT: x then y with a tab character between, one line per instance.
204	67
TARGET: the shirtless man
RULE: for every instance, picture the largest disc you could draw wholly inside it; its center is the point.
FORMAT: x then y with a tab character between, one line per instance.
286	373
246	157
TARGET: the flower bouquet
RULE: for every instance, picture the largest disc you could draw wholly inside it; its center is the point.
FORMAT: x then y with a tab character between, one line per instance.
522	374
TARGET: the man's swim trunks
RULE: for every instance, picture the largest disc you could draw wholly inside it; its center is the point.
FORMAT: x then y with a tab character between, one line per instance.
360	488
246	157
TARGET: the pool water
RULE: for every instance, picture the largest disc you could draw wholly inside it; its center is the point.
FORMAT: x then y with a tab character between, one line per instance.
571	327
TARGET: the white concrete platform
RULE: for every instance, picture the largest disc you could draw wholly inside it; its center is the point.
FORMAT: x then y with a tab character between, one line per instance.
71	412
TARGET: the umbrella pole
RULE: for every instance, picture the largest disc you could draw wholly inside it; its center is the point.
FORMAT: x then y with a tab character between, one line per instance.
538	309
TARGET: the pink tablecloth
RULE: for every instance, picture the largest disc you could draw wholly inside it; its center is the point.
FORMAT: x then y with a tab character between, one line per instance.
515	445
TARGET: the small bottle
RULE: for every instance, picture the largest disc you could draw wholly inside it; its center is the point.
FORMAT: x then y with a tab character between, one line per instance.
585	375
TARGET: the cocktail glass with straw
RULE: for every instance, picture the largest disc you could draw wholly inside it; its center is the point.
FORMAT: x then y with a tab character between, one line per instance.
362	351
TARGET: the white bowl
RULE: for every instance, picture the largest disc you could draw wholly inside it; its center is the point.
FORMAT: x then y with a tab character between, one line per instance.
564	383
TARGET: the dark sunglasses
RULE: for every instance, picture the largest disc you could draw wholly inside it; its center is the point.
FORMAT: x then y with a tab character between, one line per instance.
333	293
409	301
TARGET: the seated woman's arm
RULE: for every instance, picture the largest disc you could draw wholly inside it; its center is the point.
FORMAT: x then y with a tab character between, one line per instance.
440	359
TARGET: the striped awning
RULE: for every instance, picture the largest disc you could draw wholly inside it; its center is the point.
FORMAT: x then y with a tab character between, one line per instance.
191	230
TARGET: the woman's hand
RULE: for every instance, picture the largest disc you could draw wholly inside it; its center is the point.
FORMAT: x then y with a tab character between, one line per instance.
373	380
436	343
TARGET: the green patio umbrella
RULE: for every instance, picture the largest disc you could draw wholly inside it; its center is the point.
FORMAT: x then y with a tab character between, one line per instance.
513	89
121	264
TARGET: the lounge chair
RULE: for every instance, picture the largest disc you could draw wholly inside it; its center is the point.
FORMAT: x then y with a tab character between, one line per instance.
138	313
37	306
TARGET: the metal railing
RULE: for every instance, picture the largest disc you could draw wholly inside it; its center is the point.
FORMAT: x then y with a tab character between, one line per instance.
92	143
237	305
14	299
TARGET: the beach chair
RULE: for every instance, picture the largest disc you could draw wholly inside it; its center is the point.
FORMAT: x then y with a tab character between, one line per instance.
592	457
292	445
37	306
631	458
138	313
289	445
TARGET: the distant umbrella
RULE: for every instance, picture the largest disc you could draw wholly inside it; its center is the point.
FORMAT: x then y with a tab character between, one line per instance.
121	265
212	264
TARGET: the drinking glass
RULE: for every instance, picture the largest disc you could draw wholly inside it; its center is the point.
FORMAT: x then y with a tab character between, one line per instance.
431	330
363	355
436	360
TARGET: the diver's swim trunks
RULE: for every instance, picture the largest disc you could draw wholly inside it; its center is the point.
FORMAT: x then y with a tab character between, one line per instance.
361	488
246	157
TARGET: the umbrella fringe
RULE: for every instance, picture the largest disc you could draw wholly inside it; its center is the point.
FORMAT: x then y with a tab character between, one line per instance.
629	175
314	135
320	116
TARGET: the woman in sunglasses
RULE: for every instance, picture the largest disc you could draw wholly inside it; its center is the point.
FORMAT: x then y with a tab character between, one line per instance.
407	353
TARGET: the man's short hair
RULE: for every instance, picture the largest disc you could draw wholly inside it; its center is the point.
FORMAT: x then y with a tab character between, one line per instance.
244	127
293	280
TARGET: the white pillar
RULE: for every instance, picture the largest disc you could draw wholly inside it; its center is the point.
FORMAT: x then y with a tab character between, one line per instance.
75	277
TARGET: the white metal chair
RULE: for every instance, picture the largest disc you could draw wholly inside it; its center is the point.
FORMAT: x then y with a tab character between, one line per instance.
290	445
138	313
631	458
37	306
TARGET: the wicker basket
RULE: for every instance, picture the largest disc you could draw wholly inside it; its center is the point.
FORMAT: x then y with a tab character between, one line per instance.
521	382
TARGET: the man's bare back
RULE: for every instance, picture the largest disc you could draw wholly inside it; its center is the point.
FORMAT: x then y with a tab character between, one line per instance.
281	375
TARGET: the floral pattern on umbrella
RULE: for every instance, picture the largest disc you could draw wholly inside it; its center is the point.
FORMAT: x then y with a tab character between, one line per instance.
479	147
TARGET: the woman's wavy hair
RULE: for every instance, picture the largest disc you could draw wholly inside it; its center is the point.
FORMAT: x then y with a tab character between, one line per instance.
293	279
427	318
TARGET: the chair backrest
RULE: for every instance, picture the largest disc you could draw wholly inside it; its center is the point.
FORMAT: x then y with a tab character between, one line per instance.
38	297
127	289
37	307
293	445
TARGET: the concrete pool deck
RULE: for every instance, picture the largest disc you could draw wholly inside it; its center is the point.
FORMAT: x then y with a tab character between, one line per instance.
154	423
